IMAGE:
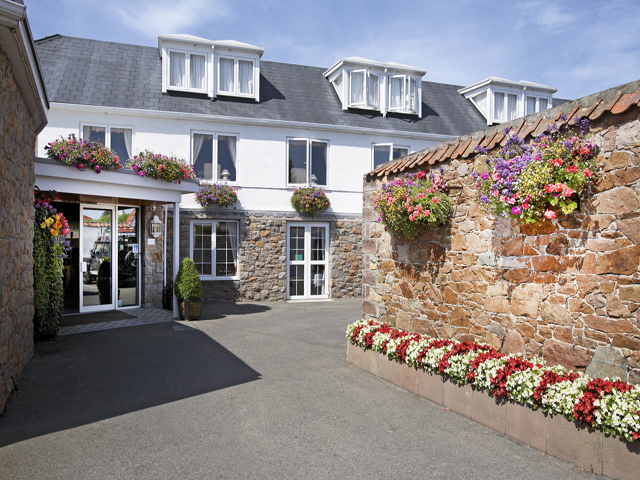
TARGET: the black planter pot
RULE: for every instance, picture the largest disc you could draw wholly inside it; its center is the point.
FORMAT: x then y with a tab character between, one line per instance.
190	309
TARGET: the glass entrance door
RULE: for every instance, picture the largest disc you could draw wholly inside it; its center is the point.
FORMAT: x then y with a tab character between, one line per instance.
128	253
96	247
307	261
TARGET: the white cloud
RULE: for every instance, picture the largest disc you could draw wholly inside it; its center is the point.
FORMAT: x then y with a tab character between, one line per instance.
154	17
546	15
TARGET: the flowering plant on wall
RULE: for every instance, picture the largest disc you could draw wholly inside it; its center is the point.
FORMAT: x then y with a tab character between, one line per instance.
413	202
309	200
611	405
169	169
49	249
82	154
531	182
213	194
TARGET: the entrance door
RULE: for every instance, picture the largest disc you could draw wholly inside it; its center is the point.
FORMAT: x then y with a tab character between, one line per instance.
307	261
97	251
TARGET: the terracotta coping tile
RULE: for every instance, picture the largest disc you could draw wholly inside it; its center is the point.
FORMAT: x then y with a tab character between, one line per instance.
530	128
604	107
496	140
449	152
586	111
400	165
570	116
417	159
625	102
427	157
543	125
488	138
461	149
437	156
455	148
472	146
514	131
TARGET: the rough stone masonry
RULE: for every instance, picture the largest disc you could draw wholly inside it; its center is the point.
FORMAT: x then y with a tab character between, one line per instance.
566	290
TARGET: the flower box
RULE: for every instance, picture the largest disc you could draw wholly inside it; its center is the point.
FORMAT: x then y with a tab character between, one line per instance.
588	448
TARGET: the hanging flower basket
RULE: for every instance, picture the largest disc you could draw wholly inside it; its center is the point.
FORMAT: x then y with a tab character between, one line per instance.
212	194
412	203
170	169
309	200
534	182
83	154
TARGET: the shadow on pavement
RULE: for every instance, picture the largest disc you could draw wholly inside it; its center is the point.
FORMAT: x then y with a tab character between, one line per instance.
84	378
216	311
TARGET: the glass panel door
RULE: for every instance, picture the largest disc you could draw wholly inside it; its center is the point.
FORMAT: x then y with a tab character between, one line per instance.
128	257
97	254
307	261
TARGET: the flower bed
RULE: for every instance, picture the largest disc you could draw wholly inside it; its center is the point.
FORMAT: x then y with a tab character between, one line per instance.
531	182
218	195
412	203
170	169
612	406
82	154
309	200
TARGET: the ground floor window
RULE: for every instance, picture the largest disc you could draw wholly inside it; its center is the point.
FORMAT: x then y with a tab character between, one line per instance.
214	249
307	260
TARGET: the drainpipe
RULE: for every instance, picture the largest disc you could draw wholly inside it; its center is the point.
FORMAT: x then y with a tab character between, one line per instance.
176	252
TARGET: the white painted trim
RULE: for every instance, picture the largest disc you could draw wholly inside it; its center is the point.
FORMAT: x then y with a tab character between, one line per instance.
307	263
250	121
214	246
308	177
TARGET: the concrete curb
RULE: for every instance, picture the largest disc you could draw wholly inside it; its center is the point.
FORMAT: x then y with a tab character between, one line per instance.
586	448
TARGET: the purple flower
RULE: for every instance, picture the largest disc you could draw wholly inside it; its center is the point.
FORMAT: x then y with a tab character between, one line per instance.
484	175
516	210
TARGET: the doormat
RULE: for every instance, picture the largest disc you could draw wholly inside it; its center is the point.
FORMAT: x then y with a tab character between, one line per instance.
95	317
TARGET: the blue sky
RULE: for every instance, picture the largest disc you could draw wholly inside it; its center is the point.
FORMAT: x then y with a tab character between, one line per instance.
579	47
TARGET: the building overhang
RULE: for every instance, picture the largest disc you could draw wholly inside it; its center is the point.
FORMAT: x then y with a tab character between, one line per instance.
120	186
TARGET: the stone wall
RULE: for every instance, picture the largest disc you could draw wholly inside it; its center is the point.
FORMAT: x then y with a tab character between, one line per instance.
565	290
17	144
152	264
262	255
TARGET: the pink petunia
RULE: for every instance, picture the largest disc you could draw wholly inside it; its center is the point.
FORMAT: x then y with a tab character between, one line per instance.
550	214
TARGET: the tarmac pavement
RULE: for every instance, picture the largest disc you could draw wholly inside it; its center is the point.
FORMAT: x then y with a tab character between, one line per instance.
256	391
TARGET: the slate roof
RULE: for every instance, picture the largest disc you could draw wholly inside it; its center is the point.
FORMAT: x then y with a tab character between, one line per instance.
92	72
614	101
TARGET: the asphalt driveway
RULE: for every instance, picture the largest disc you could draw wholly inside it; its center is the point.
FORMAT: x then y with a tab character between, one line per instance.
257	391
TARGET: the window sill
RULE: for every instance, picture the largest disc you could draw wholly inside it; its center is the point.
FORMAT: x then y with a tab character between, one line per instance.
188	90
204	278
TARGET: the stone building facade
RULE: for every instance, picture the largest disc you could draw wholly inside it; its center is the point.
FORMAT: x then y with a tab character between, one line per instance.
567	290
262	247
17	144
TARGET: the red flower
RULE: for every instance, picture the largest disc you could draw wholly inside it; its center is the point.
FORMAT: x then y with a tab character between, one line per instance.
587	173
550	214
556	162
572	169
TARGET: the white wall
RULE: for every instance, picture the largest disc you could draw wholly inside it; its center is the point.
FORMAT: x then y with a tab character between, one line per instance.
261	152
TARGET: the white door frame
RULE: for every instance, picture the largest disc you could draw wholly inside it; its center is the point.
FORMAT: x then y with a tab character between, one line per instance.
306	262
114	278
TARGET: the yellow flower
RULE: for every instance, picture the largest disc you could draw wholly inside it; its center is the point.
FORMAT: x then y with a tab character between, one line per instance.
43	225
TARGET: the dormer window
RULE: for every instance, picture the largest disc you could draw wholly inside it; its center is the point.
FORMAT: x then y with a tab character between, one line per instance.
386	87
236	76
187	71
501	100
225	67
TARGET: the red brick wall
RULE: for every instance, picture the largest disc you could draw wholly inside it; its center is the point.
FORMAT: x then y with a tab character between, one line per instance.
557	291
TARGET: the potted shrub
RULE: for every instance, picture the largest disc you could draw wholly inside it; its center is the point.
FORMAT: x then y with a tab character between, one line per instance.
104	281
188	290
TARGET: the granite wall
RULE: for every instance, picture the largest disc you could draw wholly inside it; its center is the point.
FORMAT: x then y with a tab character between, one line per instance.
262	254
17	144
564	291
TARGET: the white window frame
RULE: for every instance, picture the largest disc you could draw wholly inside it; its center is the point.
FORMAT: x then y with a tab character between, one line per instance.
213	224
107	133
537	98
520	106
308	176
406	100
391	147
187	70
236	76
365	90
214	155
